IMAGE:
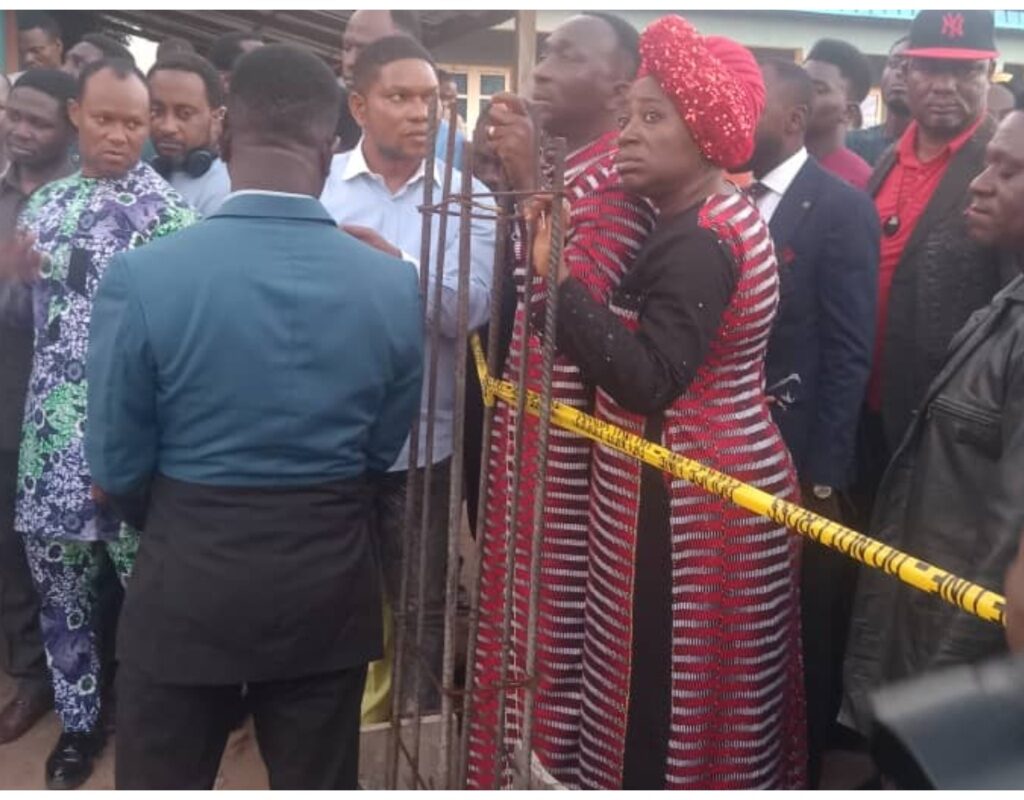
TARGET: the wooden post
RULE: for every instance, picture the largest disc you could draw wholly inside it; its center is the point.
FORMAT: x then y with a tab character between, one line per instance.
9	49
526	48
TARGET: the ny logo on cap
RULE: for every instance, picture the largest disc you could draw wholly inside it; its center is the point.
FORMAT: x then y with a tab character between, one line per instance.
953	26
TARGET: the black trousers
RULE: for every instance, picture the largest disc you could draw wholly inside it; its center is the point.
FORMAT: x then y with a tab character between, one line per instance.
873	455
173	737
22	653
828	584
391	536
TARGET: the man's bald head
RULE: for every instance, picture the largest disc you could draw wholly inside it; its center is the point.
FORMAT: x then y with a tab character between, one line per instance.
585	69
368	26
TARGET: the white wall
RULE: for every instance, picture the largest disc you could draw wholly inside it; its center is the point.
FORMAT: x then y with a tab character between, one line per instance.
777	29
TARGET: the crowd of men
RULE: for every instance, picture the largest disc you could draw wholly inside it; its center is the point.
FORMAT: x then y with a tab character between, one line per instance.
212	348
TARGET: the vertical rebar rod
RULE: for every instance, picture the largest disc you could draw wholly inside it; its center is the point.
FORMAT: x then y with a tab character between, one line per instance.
513	527
411	537
540	475
505	205
456	488
428	462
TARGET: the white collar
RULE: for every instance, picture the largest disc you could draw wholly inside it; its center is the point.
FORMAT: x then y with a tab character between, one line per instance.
357	166
780	178
266	192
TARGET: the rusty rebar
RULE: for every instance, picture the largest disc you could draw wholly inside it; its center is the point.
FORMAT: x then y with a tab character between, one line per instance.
455	494
540	473
483	494
411	538
513	525
428	462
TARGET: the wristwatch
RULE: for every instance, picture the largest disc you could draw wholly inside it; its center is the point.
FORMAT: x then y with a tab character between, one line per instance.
822	492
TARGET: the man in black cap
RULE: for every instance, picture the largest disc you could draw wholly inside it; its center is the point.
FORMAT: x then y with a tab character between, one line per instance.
931	275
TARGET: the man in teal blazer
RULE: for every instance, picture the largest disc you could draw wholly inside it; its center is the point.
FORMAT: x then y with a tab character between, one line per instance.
248	378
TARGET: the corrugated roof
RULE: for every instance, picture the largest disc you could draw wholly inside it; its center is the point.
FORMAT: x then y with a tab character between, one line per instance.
318	30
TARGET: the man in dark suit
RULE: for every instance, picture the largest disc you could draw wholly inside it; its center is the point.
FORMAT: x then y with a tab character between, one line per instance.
826	236
247	383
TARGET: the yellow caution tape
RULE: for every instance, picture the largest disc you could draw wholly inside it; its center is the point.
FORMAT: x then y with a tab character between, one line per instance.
970	597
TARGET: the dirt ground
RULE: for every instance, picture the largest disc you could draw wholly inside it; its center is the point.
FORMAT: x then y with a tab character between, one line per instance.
21	762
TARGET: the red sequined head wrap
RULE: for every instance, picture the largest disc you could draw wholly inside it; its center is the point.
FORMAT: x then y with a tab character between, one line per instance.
715	84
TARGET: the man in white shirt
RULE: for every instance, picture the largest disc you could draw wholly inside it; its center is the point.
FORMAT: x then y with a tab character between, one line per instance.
826	235
186	113
374	192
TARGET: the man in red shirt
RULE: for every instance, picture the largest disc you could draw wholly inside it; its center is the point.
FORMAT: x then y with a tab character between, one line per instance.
842	78
931	275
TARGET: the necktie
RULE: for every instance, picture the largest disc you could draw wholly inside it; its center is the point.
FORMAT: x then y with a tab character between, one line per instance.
756	190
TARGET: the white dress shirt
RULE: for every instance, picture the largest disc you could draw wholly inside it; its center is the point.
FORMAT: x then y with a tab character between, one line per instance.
778	181
355	195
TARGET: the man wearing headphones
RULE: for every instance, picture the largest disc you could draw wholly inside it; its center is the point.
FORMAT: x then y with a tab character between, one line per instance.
186	113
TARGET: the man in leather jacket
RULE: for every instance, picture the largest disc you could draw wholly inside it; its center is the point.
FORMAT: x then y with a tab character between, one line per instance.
954	492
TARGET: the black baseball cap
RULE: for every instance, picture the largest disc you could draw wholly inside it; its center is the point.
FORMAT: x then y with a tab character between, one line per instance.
960	35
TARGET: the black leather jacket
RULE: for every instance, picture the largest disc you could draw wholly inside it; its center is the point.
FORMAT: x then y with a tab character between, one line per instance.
942	277
953	496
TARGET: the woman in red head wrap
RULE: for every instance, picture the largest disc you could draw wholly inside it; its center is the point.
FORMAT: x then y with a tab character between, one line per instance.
692	634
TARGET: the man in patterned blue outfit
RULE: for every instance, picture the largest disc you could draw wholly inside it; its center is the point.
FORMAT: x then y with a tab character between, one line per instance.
115	203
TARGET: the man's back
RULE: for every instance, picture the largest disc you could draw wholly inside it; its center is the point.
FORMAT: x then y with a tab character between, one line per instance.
271	363
274	339
249	379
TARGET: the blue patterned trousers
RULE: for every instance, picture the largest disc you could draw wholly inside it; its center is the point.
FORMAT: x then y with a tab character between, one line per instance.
65	574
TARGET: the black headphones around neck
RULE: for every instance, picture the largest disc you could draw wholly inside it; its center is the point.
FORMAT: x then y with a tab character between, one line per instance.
196	164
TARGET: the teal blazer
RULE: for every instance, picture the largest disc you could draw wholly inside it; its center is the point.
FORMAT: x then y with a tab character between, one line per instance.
260	347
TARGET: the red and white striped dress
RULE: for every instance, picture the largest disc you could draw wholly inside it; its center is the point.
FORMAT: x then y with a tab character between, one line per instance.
736	710
607	228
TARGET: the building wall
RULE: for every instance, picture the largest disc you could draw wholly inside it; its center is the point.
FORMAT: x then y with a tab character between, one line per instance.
789	30
9	41
766	32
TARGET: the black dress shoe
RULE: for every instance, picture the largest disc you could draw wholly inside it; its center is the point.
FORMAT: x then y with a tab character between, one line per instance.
70	764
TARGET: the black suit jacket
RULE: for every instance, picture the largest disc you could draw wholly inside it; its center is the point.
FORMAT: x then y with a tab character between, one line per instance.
826	236
235	585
